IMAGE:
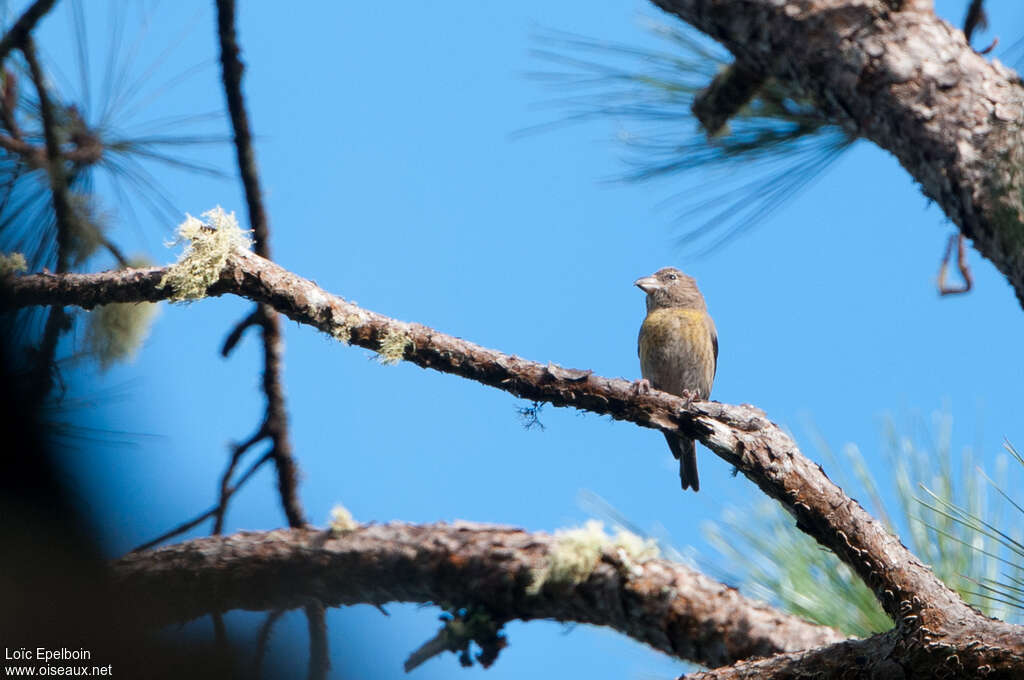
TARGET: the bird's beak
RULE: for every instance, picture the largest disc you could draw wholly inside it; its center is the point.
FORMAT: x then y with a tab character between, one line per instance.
648	284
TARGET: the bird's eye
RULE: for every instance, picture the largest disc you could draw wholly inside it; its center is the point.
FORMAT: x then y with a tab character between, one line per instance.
672	277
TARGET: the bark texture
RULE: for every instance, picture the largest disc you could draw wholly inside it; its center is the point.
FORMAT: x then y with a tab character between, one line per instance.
664	604
894	73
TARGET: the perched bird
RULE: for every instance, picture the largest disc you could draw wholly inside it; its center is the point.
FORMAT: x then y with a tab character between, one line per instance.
678	348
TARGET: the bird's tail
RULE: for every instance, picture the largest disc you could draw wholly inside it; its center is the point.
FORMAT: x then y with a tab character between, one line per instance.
685	450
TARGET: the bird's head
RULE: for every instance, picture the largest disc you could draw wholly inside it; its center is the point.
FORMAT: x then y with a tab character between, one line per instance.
669	287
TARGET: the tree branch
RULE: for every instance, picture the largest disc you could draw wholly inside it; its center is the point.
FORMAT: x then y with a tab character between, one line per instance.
740	435
57	321
226	491
907	81
319	653
666	605
231	75
728	92
35	156
887	655
922	606
214	512
275	422
974	18
21	29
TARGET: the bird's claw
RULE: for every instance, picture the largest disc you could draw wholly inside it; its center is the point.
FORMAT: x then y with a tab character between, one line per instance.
689	396
641	386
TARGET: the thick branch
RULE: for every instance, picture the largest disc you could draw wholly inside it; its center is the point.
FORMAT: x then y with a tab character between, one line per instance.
923	607
741	435
666	605
907	81
964	654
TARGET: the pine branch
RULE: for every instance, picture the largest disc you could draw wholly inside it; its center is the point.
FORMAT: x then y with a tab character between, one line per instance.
740	435
928	615
907	81
664	604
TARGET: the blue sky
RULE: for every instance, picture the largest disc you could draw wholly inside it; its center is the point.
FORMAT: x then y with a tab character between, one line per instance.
393	177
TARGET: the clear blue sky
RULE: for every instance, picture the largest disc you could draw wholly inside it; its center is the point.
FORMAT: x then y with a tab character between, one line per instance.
392	177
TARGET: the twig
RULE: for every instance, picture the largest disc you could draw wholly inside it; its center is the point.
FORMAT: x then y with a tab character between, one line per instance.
974	18
212	512
319	654
439	644
472	624
276	420
991	46
728	92
263	639
57	322
231	74
57	174
21	29
27	151
116	252
225	490
9	102
220	634
961	262
238	331
36	156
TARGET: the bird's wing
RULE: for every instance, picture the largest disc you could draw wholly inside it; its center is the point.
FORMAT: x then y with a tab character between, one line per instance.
714	343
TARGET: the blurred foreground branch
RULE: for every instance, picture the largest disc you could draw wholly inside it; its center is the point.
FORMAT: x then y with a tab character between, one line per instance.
667	605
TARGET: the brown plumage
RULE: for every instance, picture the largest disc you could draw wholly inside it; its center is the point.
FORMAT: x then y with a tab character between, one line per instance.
678	348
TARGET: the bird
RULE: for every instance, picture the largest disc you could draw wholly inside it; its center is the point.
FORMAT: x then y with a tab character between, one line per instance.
678	348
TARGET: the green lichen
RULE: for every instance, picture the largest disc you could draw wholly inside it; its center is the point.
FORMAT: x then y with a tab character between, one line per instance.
341	326
13	263
138	262
342	333
576	552
392	346
573	557
86	227
633	549
115	332
208	245
341	520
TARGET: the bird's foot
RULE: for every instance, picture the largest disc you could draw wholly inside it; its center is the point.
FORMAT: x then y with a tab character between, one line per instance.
689	396
641	386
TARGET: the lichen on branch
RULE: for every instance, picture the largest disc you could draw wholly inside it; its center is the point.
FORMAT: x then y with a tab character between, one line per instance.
577	551
208	245
13	263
